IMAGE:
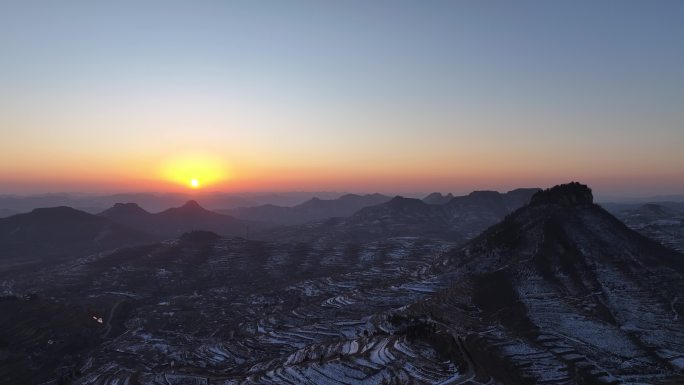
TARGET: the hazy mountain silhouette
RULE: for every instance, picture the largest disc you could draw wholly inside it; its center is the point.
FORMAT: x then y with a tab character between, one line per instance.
62	231
154	202
126	213
458	220
437	198
653	211
314	209
96	203
175	221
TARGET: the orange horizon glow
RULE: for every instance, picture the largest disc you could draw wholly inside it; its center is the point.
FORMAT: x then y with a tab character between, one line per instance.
178	178
244	98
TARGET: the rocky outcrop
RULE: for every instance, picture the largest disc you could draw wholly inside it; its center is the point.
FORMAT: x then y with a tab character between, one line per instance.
571	194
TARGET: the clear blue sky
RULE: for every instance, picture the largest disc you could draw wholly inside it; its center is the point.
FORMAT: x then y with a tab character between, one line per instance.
348	95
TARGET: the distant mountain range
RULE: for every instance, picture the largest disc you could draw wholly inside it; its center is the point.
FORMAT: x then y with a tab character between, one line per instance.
251	206
175	221
64	231
617	208
460	219
349	218
437	198
154	202
314	209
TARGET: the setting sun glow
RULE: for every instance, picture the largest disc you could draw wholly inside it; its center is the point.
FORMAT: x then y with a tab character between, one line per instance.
195	171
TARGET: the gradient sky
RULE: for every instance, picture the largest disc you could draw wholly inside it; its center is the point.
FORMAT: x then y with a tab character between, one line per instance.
388	96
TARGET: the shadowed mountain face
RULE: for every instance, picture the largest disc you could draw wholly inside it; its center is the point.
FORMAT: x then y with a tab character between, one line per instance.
460	219
559	292
61	232
175	221
311	210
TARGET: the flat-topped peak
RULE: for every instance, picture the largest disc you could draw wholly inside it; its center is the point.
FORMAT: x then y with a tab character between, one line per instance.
569	194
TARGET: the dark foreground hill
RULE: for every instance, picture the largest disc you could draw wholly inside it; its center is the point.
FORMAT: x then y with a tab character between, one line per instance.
61	232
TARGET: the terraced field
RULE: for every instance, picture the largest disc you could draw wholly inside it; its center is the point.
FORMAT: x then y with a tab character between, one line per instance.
237	311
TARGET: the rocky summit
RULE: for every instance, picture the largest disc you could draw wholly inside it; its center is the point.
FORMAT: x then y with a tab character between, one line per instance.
571	194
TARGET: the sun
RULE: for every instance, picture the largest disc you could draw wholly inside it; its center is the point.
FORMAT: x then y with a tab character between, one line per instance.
195	171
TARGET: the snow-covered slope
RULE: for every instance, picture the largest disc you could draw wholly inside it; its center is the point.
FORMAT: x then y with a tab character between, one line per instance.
560	292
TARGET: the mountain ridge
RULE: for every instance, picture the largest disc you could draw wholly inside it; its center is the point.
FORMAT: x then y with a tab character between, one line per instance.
175	221
458	220
314	209
62	231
